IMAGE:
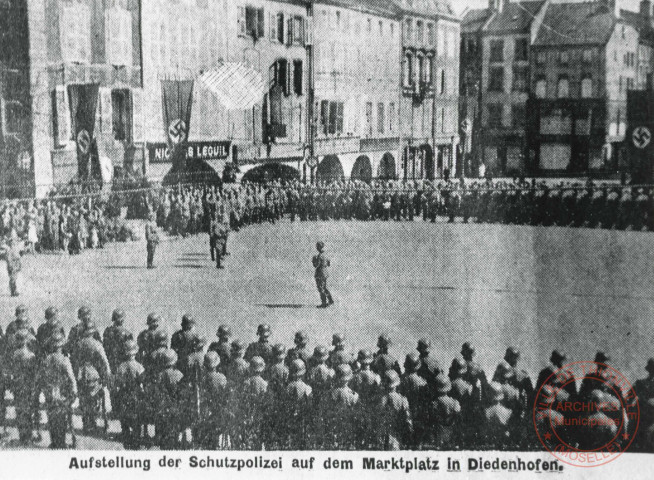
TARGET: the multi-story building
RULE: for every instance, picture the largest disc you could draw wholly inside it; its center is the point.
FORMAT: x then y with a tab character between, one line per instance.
356	71
183	39
70	71
429	88
582	71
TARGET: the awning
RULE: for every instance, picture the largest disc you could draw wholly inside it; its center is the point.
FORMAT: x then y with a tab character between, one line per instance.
237	86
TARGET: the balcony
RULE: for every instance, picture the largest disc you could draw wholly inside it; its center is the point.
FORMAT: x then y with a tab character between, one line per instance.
337	145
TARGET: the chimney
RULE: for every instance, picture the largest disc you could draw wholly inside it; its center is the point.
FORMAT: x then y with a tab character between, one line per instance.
646	9
497	5
614	7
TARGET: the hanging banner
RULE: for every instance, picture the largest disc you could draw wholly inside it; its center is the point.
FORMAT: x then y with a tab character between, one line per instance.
177	100
83	105
194	151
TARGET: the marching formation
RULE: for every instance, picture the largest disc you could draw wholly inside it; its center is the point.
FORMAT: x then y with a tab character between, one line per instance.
177	392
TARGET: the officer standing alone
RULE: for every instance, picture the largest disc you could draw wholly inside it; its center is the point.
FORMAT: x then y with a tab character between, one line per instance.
321	263
152	239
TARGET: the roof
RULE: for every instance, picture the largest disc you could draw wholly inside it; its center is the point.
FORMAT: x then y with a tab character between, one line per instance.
514	17
474	19
585	23
641	23
379	7
427	7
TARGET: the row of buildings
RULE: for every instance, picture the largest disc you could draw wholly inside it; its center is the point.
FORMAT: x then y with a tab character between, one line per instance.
370	88
544	83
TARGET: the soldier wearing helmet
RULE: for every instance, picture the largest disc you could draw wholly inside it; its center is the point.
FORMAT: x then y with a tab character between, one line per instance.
223	346
393	424
384	361
84	316
114	338
56	380
213	400
367	385
251	411
414	387
182	339
554	374
51	325
277	373
322	263
341	411
338	355
21	368
262	347
298	408
145	339
429	366
301	350
474	375
169	394
445	414
128	395
21	322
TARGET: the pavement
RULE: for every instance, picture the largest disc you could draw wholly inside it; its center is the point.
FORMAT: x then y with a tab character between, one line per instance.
495	285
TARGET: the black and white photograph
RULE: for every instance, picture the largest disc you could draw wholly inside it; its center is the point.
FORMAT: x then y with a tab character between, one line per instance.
326	238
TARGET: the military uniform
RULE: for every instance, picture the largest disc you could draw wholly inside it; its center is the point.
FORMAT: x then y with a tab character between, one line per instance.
183	340
114	338
367	385
444	416
297	409
214	395
341	412
383	360
152	240
12	253
393	423
22	365
321	263
47	329
251	412
300	351
223	346
128	395
495	426
169	394
261	348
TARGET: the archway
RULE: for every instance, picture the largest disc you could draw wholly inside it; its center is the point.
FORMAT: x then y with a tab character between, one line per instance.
386	170
189	171
270	172
330	169
362	169
428	159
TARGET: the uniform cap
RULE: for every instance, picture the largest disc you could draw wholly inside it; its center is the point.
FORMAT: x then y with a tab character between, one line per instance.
161	338
263	330
344	372
391	378
58	339
650	365
459	365
257	365
198	342
365	357
21	309
169	358
423	344
557	356
384	341
188	319
51	312
301	337
130	347
321	352
467	348
442	383
320	246
512	352
495	391
211	360
297	367
154	318
224	331
83	311
504	370
602	357
238	346
338	339
412	361
279	350
118	315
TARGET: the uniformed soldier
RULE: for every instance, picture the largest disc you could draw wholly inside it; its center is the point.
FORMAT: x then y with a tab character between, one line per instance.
298	408
261	348
152	239
519	379
469	400
384	361
182	340
223	346
393	419
191	367
474	375
22	370
214	395
145	339
300	351
322	263
169	395
495	428
367	385
85	322
218	240
21	322
595	377
252	411
128	395
55	379
415	389
277	373
12	253
45	331
555	375
644	390
429	366
238	367
338	355
341	411
114	338
444	416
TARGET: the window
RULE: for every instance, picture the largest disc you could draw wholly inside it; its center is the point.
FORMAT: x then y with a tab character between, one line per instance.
418	72
408	67
429	65
521	49
497	51
338	20
381	28
369	118
541	58
15	117
298	74
443	82
118	36
251	22
520	78
392	30
279	75
381	118
419	33
563	87
331	114
391	117
541	88
298	30
495	116
564	57
277	27
587	56
431	38
519	116
369	25
76	33
408	31
496	79
121	118
587	87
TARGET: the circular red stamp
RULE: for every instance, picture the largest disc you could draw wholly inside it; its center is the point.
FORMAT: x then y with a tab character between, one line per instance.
586	414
